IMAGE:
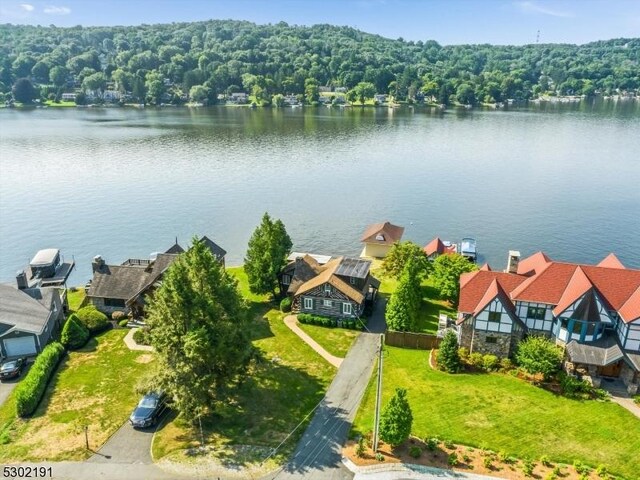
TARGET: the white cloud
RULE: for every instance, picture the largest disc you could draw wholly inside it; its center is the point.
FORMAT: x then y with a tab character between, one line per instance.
27	7
532	7
55	10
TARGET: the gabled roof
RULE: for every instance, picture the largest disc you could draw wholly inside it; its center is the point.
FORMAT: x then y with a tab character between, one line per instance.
125	281
303	269
611	261
576	288
175	248
438	246
630	310
486	268
25	310
216	249
533	264
382	234
474	286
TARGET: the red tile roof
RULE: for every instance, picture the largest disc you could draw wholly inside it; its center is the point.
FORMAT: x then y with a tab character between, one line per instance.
486	268
542	280
437	246
611	261
390	233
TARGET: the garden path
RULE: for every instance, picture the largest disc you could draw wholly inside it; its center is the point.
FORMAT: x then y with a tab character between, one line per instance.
291	321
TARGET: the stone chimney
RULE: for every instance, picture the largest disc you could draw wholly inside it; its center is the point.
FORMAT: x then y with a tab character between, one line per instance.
21	280
97	263
513	261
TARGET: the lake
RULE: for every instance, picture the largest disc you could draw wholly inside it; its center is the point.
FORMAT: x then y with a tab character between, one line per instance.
123	183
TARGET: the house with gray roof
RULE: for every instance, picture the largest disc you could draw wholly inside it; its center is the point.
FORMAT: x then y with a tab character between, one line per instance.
124	287
28	317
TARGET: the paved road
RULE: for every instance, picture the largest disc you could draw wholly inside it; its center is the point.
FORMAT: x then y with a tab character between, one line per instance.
318	454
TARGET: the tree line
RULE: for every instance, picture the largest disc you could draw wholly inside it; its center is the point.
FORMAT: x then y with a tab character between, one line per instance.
174	63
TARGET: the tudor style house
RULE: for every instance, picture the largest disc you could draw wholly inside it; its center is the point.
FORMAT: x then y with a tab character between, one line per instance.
334	287
592	311
124	287
379	238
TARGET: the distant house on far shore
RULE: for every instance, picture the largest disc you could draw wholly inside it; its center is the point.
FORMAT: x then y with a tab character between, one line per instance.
378	239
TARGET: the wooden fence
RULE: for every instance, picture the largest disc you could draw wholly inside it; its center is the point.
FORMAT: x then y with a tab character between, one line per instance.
419	341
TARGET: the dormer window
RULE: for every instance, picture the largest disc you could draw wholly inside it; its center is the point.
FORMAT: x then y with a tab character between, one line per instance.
327	288
352	280
286	279
380	237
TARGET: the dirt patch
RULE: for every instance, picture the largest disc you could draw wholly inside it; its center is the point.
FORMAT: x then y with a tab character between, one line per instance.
144	358
464	459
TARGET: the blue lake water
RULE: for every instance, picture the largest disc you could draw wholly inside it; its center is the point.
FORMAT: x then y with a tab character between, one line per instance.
125	182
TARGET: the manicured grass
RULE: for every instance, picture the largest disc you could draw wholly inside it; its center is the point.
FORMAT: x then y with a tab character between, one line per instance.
94	386
62	103
277	393
431	306
336	341
75	298
503	413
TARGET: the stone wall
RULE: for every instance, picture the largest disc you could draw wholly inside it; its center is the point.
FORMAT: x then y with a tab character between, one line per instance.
466	334
501	347
630	378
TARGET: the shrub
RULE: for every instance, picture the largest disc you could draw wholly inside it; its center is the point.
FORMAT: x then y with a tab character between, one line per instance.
581	468
118	315
488	462
551	476
285	305
379	457
396	419
602	471
557	470
490	362
123	322
466	458
527	468
449	444
415	451
361	448
317	320
141	336
431	443
476	360
636	399
30	390
74	334
545	460
506	364
572	387
539	355
463	353
453	459
94	320
447	358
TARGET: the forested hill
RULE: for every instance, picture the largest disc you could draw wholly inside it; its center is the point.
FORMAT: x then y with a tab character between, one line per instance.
151	62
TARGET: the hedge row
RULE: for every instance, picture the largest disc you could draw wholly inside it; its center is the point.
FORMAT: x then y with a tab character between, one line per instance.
30	390
329	322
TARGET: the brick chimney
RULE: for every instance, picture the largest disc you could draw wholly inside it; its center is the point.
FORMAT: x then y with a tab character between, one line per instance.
97	263
21	280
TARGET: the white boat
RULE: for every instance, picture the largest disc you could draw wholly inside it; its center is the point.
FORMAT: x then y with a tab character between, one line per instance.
468	249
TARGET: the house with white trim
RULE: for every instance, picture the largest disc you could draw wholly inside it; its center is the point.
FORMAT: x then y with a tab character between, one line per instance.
592	311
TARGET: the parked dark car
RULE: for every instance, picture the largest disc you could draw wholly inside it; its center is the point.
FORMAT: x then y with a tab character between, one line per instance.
12	368
149	410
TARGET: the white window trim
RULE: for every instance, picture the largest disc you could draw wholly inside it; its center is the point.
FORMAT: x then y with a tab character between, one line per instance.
286	279
352	280
347	308
308	303
327	288
328	303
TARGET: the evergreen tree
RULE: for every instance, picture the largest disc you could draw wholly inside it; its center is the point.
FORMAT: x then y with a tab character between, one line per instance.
197	321
446	274
24	91
404	305
448	358
269	247
74	334
396	419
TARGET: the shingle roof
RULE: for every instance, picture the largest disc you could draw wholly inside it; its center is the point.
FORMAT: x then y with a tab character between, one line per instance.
216	249
602	352
389	234
126	281
19	309
303	269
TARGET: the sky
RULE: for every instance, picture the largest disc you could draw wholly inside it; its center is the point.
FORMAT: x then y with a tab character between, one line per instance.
446	21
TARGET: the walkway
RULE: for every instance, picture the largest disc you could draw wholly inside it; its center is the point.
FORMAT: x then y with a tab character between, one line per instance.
619	395
133	345
319	452
291	322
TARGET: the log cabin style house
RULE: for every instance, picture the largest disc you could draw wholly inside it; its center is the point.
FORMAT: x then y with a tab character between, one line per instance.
593	312
338	287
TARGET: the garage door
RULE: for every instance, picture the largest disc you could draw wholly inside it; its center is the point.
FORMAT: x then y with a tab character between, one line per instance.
20	346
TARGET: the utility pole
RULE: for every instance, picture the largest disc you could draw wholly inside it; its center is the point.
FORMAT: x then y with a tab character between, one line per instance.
376	424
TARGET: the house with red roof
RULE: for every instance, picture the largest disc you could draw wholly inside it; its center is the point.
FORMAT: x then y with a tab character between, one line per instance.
437	247
593	311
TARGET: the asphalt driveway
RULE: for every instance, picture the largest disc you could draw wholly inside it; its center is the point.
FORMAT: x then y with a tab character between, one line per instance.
7	386
127	445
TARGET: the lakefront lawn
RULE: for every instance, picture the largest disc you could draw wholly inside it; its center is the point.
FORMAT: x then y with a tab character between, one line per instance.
94	386
502	413
336	341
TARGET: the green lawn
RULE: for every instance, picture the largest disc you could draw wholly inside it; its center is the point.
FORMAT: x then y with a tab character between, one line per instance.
65	103
336	341
431	306
503	413
93	386
75	298
276	395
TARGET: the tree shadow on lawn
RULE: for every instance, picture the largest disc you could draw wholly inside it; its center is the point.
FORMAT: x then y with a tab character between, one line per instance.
50	390
270	402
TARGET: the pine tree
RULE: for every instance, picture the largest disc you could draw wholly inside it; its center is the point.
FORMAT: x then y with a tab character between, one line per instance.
198	327
396	419
267	253
448	358
404	305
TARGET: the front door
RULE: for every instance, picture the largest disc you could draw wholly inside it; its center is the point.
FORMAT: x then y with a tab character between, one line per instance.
612	370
